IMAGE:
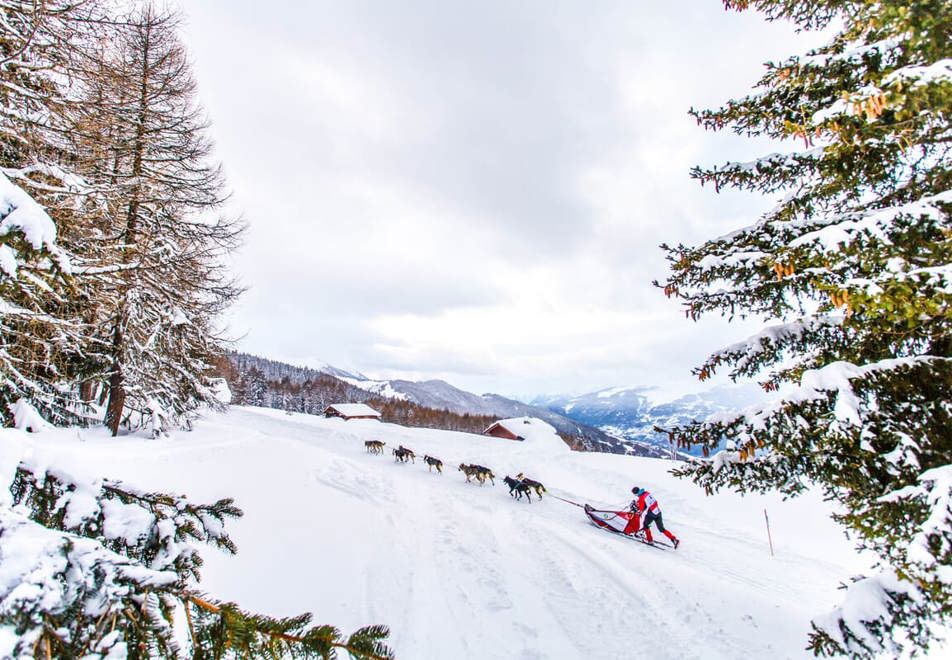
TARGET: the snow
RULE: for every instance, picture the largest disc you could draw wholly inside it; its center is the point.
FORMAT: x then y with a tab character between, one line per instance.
379	387
940	71
43	570
840	229
26	418
538	434
354	409
614	391
8	261
179	317
652	394
463	571
220	390
937	487
865	600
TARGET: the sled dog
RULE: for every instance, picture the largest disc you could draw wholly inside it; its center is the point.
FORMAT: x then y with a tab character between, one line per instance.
481	473
484	473
402	454
533	484
432	462
374	446
518	488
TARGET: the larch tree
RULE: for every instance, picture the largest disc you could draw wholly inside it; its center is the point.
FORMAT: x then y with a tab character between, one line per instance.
147	149
854	265
89	567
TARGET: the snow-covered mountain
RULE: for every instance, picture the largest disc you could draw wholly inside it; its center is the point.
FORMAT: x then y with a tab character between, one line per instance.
633	412
440	395
462	571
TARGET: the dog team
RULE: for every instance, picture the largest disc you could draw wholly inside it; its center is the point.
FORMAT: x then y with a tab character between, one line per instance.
518	487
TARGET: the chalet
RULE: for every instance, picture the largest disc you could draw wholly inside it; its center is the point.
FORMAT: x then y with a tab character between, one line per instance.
507	428
351	411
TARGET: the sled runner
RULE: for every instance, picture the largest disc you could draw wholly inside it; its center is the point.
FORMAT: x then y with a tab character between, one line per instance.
622	523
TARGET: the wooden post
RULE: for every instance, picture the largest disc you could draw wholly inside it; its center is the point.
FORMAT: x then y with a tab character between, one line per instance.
769	539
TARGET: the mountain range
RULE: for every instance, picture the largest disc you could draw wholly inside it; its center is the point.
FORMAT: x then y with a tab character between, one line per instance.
632	413
441	395
626	415
435	395
619	420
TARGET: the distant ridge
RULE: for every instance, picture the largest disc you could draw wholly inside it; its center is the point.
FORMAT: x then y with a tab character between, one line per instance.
439	395
633	412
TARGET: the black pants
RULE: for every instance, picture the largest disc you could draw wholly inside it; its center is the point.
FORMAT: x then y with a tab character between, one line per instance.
652	517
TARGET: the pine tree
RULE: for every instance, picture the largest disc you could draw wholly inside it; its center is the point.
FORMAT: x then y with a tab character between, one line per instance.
96	569
42	332
855	264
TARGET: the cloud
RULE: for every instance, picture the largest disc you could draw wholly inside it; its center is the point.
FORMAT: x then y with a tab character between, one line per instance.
476	190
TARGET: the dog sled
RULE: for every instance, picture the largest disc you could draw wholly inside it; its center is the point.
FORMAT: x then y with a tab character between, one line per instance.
621	523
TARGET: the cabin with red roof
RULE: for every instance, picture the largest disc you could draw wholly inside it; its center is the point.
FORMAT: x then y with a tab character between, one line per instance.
506	428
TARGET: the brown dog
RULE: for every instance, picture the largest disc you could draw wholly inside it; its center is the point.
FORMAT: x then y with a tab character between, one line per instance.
481	473
533	484
374	446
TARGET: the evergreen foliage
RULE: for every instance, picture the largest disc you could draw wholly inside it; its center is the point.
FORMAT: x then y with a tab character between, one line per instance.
855	264
93	567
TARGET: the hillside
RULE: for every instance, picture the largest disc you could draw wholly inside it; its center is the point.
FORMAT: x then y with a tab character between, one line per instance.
302	389
463	571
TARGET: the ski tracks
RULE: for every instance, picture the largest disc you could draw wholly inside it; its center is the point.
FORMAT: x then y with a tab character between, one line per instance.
612	601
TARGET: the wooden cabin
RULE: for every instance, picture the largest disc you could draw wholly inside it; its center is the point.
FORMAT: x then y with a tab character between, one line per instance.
507	429
351	411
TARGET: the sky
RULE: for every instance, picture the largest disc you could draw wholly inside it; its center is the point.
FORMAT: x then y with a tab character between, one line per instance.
476	191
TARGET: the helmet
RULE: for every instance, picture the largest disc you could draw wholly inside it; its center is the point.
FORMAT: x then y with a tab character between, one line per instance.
635	490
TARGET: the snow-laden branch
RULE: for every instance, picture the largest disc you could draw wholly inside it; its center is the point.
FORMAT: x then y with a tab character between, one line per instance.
827	234
746	355
19	212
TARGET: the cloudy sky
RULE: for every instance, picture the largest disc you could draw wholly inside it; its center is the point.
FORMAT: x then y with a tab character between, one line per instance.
475	191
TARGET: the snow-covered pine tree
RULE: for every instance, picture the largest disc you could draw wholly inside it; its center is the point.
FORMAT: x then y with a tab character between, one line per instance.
855	264
42	334
93	568
145	143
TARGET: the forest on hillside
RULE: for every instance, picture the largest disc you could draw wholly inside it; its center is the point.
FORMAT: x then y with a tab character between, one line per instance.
256	381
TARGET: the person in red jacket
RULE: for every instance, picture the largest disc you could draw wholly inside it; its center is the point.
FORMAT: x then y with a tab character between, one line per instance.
646	505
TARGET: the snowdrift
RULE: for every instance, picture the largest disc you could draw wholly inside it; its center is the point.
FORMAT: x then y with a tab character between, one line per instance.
459	570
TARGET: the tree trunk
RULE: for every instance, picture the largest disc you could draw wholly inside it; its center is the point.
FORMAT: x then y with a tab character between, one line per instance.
87	391
117	394
117	399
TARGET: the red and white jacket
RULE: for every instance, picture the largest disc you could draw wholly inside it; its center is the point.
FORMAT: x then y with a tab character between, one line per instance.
646	502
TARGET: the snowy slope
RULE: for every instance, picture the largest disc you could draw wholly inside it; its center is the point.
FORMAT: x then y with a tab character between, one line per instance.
462	571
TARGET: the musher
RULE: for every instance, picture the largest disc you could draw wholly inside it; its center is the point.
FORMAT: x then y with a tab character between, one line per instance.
647	507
